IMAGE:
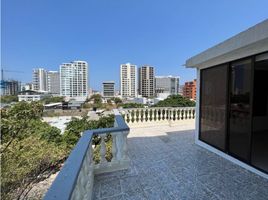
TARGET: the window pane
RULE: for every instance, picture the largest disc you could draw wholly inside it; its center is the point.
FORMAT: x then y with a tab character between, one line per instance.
213	105
259	154
240	124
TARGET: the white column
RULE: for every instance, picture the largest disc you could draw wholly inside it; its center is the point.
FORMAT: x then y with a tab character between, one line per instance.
102	149
114	148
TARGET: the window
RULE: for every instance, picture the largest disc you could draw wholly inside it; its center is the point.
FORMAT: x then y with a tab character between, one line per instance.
239	122
213	106
259	152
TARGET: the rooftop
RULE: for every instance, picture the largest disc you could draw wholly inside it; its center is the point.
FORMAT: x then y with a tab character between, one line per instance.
166	164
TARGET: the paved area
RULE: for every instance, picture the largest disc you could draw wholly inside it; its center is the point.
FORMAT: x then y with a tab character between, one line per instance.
166	164
59	122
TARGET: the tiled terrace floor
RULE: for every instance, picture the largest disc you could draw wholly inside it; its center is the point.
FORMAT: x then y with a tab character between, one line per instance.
166	164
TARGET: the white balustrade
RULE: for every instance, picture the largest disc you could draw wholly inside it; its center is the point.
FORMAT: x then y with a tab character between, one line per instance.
158	116
154	115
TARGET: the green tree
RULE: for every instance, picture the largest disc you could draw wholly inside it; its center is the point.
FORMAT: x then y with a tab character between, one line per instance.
16	119
28	161
133	105
76	126
9	98
31	150
175	101
51	99
117	100
96	98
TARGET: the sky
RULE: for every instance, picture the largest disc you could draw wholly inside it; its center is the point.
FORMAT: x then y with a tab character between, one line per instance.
107	33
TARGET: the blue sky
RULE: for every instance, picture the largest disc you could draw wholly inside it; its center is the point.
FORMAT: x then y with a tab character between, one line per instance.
107	33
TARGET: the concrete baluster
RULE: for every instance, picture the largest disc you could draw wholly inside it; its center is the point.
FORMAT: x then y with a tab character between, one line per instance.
186	113
103	149
119	142
114	149
175	114
138	116
134	116
155	115
163	114
141	115
124	148
146	115
182	114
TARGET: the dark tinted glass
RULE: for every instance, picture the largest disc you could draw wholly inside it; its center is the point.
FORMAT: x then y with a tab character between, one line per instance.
240	124
213	105
259	154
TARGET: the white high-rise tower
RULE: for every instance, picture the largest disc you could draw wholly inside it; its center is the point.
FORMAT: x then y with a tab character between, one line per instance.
74	79
128	80
40	79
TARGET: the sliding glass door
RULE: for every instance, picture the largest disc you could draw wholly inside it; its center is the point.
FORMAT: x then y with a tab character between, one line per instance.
213	106
259	153
239	117
234	109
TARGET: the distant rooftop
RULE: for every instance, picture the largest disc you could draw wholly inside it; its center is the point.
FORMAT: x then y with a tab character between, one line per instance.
169	76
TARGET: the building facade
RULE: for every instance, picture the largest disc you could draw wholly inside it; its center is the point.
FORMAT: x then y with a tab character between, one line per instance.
128	80
146	81
39	79
30	95
232	98
74	79
26	86
189	90
168	85
108	89
10	87
53	82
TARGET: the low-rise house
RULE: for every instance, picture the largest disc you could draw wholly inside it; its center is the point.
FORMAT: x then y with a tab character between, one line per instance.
30	95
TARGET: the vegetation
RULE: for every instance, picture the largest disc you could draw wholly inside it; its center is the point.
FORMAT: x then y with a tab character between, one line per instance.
97	100
77	126
117	100
51	99
9	99
175	101
132	105
31	150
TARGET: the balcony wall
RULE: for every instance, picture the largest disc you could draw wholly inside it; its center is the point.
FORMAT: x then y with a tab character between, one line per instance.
76	178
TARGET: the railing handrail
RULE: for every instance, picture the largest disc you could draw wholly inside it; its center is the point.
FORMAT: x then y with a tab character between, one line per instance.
192	107
63	185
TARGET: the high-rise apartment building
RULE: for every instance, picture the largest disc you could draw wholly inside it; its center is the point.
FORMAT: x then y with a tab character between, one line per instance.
189	89
146	81
166	85
10	87
128	80
39	79
108	89
53	82
74	79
